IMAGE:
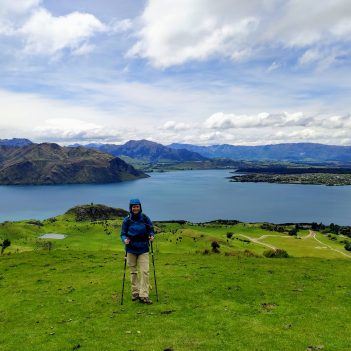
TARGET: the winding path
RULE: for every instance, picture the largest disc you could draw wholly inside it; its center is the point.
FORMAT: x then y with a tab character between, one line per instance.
313	235
257	242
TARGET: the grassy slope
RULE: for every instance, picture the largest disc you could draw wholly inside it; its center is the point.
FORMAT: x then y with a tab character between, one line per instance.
70	296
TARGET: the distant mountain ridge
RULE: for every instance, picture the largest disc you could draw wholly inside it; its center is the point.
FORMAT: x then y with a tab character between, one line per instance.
50	163
301	152
148	151
15	142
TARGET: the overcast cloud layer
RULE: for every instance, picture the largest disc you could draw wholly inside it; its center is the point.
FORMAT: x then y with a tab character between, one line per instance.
194	71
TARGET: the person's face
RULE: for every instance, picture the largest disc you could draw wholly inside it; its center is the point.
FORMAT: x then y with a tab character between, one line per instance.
136	209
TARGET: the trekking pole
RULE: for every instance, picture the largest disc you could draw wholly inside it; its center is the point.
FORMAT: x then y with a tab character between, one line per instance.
153	263
124	274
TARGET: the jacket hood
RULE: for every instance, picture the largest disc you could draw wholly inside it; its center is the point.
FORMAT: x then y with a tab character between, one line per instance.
134	202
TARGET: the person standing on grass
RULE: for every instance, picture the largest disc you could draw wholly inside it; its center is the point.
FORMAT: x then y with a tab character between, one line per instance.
137	229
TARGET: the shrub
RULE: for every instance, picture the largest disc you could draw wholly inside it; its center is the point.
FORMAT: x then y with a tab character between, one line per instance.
348	246
215	246
246	253
249	253
293	231
278	253
35	222
6	243
229	235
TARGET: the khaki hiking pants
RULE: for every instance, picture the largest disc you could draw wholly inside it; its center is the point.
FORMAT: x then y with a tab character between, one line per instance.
139	286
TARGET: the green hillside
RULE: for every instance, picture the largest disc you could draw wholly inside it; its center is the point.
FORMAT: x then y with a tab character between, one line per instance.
67	296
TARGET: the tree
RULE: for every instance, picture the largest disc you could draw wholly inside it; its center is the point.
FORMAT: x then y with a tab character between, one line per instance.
293	231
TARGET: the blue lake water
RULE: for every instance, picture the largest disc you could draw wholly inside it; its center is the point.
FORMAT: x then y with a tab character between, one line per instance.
191	195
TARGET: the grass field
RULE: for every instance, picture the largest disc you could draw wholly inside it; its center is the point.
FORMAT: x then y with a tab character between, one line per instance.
68	298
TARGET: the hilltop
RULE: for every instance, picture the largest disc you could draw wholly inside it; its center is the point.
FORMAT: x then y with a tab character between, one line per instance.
50	163
15	142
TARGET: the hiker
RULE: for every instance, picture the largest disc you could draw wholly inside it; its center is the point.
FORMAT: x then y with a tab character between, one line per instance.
137	229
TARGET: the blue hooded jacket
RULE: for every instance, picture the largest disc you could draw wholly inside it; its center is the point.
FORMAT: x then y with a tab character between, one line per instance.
137	228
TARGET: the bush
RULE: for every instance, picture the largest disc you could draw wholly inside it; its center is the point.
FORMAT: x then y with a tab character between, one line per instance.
246	253
278	253
249	253
229	235
6	243
348	246
35	222
215	246
293	232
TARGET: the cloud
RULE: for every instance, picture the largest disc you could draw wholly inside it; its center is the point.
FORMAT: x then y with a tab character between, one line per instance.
174	32
63	32
45	34
221	120
44	119
120	26
18	7
172	125
14	11
69	129
274	66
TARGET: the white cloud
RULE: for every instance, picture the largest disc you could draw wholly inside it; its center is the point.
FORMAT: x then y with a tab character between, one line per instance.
84	49
310	56
69	129
43	119
174	32
47	34
172	125
18	7
121	26
274	66
14	11
221	120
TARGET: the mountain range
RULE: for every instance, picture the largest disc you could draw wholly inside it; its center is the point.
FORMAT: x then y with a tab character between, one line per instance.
151	152
293	152
148	151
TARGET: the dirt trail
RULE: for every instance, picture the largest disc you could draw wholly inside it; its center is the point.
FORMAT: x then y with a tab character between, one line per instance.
279	236
313	235
257	242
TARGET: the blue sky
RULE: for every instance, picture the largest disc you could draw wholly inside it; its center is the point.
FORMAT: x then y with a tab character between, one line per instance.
193	71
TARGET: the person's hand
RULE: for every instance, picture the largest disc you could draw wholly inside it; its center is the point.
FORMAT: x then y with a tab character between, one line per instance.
151	237
127	241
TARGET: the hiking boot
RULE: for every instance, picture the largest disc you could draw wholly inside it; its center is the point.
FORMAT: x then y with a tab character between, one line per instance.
135	296
145	300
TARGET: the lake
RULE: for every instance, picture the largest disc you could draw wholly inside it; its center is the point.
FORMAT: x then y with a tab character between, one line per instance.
199	195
